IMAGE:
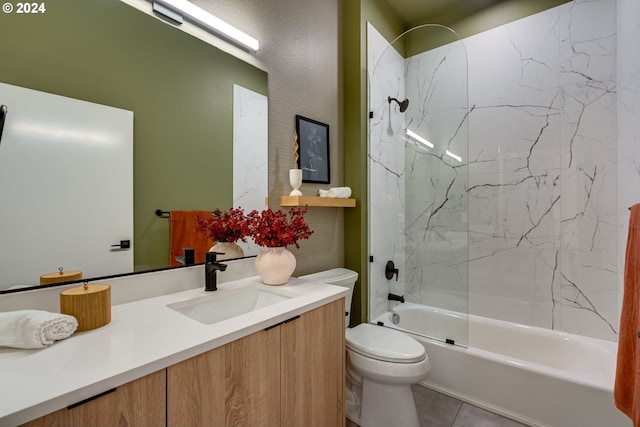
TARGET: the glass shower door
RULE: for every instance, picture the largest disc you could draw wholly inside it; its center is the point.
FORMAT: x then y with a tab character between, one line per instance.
418	178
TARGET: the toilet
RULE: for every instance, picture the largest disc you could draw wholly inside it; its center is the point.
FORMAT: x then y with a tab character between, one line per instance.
382	364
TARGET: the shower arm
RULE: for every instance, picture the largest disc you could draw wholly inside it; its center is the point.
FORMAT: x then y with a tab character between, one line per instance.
402	104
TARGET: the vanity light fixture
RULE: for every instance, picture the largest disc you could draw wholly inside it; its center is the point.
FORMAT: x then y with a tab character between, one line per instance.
418	138
174	17
204	19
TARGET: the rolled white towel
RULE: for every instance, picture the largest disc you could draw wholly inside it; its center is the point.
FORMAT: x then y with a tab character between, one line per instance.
336	193
34	328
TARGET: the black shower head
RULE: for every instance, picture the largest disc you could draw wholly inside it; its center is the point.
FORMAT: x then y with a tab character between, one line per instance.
402	104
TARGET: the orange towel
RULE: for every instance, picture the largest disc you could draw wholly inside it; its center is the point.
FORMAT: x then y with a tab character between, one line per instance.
184	235
626	390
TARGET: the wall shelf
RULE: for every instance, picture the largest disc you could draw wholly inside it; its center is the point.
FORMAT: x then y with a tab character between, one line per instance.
325	202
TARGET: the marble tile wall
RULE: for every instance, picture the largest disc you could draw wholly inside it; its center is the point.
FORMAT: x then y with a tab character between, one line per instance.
552	167
386	171
250	145
628	122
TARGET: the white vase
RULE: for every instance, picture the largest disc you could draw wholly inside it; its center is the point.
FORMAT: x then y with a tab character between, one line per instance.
295	179
275	265
230	250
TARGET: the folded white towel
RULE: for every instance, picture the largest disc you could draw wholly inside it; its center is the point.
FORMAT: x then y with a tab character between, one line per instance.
336	193
34	328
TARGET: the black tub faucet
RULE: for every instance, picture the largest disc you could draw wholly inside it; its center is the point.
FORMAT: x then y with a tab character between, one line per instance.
211	266
394	297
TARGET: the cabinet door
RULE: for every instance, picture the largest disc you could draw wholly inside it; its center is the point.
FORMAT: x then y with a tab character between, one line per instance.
313	371
234	385
195	391
139	403
252	380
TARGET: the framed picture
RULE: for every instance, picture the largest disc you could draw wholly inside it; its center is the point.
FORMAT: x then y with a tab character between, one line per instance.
313	157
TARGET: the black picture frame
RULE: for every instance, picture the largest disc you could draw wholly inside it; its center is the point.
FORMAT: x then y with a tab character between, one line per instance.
313	159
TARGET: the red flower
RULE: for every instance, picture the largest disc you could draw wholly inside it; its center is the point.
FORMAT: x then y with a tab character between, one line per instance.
277	229
229	226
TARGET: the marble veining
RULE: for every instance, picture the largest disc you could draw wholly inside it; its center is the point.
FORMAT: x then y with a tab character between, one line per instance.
250	146
548	141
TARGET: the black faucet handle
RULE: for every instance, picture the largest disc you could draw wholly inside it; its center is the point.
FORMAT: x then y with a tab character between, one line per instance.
211	256
390	270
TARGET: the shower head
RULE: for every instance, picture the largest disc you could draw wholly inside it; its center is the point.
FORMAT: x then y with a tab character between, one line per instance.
402	104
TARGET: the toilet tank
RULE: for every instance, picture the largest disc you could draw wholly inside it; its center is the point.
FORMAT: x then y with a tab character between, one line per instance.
339	277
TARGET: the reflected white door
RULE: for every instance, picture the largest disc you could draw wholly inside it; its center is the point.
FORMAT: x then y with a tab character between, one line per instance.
66	187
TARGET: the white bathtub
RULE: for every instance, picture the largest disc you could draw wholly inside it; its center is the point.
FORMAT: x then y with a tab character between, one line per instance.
537	376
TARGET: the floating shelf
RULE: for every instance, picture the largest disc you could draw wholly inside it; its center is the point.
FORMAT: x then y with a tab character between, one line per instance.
325	202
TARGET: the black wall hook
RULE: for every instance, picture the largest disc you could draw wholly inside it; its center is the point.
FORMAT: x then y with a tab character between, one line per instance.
3	114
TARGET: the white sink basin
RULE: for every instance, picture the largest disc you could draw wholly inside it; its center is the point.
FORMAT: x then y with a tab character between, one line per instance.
226	304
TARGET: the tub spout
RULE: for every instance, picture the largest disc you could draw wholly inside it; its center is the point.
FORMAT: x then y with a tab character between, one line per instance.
394	297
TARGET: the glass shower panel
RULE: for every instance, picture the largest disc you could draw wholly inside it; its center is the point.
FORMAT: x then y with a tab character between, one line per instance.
418	179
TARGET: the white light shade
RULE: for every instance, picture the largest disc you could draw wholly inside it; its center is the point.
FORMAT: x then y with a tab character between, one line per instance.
210	22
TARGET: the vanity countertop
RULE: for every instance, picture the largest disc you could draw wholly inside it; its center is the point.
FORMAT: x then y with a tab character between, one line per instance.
143	337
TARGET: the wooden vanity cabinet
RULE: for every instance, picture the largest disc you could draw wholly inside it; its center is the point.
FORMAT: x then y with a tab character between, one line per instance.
288	375
139	403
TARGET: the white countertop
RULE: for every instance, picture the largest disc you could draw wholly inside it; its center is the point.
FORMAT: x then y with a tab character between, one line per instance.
143	337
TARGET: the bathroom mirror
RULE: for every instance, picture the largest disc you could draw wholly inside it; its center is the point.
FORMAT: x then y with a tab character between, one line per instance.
183	94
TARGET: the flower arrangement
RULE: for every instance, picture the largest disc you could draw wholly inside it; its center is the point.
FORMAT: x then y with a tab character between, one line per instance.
277	228
229	226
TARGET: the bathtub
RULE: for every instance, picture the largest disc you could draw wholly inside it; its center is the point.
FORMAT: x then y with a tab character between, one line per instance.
536	376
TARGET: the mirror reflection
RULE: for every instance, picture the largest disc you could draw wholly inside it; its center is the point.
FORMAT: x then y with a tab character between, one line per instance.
193	107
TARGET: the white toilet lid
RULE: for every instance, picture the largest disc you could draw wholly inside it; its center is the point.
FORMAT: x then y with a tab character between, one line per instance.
383	343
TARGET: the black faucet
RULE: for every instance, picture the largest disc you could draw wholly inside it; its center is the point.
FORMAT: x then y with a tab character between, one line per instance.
394	297
211	266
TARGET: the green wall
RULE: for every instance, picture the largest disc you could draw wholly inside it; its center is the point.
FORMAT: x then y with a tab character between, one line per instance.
179	88
355	17
468	25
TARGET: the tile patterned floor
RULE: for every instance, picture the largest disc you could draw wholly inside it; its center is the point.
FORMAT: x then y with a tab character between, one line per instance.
439	410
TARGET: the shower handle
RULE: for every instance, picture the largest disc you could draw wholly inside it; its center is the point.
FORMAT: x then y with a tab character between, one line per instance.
390	270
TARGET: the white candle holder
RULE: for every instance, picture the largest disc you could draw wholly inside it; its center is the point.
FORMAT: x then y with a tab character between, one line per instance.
295	179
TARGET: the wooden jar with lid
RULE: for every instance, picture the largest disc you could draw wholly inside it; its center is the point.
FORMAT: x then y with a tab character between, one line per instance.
89	304
60	277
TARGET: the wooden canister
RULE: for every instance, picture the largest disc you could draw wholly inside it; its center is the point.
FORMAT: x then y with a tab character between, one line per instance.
89	304
60	277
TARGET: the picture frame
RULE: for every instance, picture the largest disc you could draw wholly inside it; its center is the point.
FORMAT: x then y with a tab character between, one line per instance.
313	159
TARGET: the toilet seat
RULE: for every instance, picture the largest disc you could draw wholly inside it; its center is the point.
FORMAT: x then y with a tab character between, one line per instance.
380	343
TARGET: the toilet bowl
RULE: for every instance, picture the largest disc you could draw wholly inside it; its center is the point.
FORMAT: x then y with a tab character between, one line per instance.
382	364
